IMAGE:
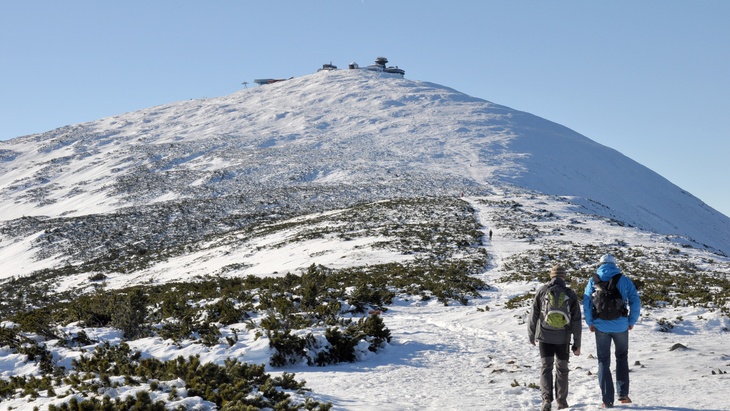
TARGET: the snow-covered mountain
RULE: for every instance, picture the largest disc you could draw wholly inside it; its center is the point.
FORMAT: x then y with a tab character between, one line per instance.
169	219
325	140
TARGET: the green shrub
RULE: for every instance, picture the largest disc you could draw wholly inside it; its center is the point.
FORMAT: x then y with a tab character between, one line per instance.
288	348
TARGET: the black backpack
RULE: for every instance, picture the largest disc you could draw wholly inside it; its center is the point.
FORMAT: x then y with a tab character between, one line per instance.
608	304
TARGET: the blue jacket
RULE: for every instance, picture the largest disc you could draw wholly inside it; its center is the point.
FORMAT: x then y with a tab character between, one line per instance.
628	292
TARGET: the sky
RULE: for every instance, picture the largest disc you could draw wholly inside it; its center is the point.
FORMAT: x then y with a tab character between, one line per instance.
648	78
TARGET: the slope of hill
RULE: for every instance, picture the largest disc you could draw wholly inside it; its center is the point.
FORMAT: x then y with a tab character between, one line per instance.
287	225
457	353
318	142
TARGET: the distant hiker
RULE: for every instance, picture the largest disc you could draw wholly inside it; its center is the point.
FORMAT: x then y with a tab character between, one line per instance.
490	235
555	317
611	307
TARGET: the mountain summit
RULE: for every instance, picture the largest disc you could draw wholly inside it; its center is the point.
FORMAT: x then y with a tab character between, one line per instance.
329	139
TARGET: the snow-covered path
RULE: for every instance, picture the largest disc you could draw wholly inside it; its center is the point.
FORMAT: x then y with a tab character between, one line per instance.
442	357
438	357
469	358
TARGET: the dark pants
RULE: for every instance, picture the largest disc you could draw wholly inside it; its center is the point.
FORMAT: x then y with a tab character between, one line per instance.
548	353
603	351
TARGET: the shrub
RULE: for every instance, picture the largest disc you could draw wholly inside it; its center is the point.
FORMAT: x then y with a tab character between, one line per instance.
289	349
375	331
131	313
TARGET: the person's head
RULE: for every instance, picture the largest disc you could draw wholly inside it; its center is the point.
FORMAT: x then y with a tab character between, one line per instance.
607	259
557	271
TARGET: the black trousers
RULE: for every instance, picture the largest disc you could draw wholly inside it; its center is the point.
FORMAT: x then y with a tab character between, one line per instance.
548	354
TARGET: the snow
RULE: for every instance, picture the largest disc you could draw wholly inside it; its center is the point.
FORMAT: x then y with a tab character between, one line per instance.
367	128
461	358
472	358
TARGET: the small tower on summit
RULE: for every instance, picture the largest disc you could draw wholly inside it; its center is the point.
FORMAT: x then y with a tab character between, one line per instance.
380	66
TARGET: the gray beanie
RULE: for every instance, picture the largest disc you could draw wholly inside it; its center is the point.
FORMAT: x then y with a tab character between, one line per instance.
608	258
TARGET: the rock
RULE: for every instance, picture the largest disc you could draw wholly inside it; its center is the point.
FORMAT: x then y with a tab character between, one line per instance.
678	346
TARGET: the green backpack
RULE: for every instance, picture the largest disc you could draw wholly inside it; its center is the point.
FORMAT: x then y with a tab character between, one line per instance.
556	308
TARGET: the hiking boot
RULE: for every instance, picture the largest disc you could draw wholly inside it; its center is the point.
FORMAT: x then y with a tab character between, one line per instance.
547	405
624	400
562	404
609	405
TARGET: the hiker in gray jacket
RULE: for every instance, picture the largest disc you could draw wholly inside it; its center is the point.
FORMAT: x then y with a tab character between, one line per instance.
554	318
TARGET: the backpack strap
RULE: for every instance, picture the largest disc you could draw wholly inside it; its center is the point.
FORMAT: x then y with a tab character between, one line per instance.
610	284
613	281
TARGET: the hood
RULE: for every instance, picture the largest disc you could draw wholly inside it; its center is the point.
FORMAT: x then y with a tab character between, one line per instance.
607	270
557	280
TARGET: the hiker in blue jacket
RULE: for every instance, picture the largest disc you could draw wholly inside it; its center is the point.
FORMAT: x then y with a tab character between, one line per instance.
608	329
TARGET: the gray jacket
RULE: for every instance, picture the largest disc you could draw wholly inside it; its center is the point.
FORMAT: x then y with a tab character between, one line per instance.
549	336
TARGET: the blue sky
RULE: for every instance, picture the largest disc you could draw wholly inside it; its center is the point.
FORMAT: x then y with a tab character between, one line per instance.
647	78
